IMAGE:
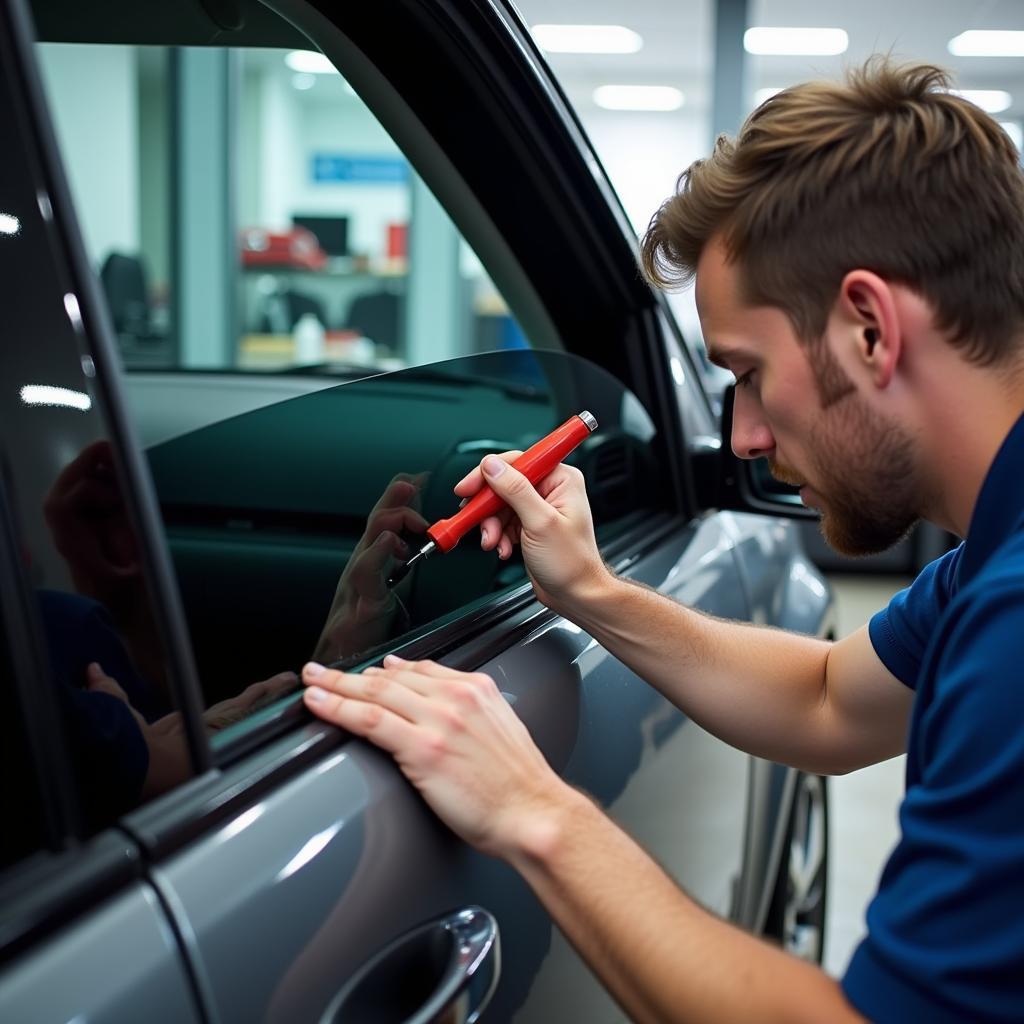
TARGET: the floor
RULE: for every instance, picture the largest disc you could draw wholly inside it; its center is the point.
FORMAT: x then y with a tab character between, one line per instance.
863	805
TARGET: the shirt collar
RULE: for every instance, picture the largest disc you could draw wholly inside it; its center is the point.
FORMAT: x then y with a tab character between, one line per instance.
1000	507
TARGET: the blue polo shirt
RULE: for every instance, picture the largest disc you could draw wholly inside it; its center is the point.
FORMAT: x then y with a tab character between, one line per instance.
946	928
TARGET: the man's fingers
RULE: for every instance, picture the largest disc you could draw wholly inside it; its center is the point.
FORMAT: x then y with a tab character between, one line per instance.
519	494
473	480
373	722
493	527
377	688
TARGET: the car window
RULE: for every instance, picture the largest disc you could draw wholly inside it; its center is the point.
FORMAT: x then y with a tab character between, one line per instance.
245	210
286	521
74	520
315	356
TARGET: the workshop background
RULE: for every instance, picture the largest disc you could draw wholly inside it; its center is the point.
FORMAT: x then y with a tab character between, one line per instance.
653	83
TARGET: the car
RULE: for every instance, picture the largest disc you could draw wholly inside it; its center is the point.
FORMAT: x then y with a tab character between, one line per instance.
191	510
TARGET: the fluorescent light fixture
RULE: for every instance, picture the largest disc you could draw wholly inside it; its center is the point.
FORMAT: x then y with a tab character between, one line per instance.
992	101
987	43
765	94
9	224
303	80
1013	129
310	62
795	42
586	38
45	394
638	97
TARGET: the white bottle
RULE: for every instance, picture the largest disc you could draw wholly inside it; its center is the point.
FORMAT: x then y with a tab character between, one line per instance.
308	336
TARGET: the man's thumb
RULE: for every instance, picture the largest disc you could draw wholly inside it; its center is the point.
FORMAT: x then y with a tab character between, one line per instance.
517	492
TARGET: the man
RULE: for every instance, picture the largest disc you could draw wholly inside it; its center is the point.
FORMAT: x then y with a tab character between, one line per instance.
864	244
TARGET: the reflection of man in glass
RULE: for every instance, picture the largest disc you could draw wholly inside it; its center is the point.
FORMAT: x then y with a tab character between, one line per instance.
103	645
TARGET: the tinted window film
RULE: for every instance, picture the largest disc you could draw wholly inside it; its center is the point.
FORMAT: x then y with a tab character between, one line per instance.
244	209
284	522
79	548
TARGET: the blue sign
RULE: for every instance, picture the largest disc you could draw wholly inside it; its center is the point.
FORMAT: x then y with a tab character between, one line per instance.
362	170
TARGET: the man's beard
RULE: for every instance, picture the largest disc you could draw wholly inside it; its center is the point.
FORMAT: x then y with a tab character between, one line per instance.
869	489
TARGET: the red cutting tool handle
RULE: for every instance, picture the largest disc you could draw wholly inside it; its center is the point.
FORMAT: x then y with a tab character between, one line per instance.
535	464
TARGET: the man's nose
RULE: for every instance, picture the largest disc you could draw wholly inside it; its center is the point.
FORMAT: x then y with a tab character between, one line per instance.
751	436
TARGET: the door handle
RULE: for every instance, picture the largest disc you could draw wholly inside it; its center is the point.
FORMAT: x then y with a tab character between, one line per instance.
441	972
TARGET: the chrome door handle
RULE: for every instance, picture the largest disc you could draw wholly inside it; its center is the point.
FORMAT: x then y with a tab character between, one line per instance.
441	972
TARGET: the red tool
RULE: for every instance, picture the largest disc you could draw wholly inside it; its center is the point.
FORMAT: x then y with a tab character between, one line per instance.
535	464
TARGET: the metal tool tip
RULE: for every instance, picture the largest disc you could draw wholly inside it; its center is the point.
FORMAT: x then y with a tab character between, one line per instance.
589	419
401	571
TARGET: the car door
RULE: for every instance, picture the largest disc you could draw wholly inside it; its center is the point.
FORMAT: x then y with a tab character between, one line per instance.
297	853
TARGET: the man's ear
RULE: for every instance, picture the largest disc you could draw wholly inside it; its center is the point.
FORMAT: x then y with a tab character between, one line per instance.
868	307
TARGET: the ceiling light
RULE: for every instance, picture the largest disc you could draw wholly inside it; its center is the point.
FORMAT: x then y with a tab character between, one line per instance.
1013	129
638	97
9	224
310	62
796	42
586	38
765	94
992	101
303	80
987	43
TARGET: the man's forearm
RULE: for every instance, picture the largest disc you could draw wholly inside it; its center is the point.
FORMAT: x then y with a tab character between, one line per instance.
757	688
661	956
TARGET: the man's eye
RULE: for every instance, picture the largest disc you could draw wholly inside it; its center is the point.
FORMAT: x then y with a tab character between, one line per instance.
746	380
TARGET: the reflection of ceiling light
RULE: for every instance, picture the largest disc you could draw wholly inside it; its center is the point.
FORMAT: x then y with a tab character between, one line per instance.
303	81
796	42
9	224
638	97
45	394
987	43
310	62
992	101
765	94
1013	129
586	38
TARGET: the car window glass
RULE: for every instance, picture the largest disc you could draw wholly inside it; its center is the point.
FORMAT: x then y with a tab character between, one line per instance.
21	804
285	522
77	537
245	210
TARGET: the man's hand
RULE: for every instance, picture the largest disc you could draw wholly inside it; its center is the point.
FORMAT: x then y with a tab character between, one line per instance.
551	522
456	739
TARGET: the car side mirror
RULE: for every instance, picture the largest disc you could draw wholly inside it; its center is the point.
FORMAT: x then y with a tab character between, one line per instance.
725	482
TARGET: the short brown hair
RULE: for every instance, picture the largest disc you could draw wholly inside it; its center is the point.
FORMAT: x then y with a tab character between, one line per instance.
889	172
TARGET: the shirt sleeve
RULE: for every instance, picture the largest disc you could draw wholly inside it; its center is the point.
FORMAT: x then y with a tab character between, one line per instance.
900	632
945	932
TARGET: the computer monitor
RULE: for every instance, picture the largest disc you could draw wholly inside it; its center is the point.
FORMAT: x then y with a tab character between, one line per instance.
331	232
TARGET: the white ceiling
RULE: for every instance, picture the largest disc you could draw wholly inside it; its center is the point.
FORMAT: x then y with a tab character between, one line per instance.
678	42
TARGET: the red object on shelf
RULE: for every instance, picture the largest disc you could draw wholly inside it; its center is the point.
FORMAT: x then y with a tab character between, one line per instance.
398	241
295	248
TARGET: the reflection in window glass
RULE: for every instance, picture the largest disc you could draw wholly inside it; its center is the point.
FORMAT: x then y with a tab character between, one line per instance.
284	522
81	555
332	251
